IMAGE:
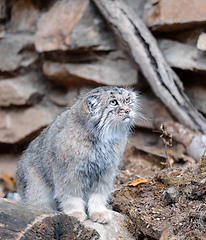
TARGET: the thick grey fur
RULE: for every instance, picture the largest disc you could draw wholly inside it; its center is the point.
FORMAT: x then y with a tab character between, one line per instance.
72	164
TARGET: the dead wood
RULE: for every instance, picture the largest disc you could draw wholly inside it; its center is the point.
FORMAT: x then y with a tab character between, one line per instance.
22	221
141	45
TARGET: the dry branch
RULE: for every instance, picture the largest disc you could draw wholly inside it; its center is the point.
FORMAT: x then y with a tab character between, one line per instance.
141	45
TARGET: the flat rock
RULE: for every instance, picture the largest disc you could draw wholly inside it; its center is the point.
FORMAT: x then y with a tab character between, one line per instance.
197	95
183	56
16	50
24	16
23	221
19	91
16	217
167	15
115	69
67	97
154	111
73	25
137	6
18	125
201	42
117	228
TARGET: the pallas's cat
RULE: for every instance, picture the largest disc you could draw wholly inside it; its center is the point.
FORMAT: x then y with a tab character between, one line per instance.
72	164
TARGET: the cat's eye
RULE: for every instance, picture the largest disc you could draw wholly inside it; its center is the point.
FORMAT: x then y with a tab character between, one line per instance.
113	102
128	100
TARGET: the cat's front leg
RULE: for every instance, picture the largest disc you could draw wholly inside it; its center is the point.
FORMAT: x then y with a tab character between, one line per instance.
73	206
97	208
69	197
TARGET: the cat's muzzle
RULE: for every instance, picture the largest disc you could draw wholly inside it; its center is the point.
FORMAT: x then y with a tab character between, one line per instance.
126	118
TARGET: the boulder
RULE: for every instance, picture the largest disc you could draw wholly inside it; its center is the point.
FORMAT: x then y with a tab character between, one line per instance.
183	56
19	91
16	50
170	15
114	69
73	25
18	125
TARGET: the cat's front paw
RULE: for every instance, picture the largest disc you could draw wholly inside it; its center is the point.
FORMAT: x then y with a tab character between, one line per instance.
81	216
101	217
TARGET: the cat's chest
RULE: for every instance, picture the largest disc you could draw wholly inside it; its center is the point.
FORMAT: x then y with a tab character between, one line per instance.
100	161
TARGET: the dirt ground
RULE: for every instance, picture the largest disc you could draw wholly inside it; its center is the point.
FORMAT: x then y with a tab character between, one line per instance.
171	205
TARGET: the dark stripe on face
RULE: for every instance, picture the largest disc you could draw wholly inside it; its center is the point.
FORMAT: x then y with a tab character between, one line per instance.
106	118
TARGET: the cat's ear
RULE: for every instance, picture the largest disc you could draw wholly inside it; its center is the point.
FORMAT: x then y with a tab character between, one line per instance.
92	102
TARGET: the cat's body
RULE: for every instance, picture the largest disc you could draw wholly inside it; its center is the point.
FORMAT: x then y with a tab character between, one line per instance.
72	164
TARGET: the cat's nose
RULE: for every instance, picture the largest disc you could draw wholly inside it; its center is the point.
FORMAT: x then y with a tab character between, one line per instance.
127	110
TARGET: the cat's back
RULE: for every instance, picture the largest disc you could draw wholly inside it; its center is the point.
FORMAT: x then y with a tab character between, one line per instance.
45	139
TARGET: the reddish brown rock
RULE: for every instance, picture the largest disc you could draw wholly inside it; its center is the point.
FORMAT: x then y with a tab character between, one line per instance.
115	69
73	25
174	14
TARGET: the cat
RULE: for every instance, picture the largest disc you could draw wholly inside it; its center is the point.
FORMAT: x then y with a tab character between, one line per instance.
72	164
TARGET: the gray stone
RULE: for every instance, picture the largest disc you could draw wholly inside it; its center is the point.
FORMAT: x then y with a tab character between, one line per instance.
137	6
170	196
154	111
19	91
115	69
64	98
18	125
197	95
56	225
23	221
183	56
201	42
197	147
67	97
16	50
117	228
24	16
73	25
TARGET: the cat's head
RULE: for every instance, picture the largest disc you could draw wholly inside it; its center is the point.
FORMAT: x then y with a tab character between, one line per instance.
110	110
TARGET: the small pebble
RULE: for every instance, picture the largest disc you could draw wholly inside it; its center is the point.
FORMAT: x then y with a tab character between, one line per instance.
170	195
